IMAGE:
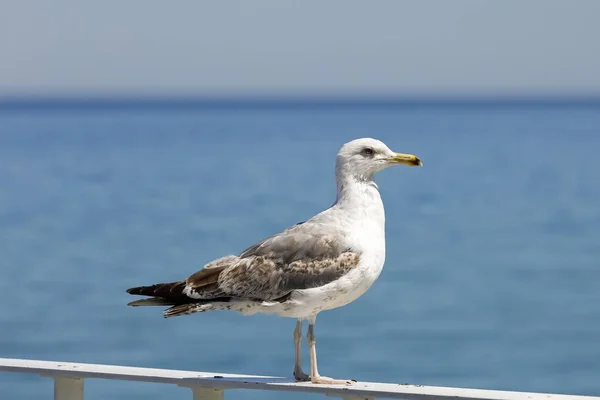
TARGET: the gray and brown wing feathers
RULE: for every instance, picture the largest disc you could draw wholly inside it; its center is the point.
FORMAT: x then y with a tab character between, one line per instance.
305	256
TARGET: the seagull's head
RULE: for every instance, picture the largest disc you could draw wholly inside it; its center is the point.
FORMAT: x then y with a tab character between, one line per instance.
362	158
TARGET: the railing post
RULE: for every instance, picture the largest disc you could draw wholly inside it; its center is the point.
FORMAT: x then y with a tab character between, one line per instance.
204	393
68	388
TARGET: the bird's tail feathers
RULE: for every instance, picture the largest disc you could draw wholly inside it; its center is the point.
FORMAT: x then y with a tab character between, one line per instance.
171	294
153	301
191	308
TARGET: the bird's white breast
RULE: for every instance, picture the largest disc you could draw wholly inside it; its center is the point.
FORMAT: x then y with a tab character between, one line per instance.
364	223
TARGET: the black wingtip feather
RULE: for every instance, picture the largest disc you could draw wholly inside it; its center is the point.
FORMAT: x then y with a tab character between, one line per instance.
142	290
171	290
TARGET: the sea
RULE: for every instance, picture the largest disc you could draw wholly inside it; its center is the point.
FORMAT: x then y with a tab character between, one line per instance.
492	274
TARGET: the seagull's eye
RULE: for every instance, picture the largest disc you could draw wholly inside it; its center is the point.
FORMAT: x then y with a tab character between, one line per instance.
368	151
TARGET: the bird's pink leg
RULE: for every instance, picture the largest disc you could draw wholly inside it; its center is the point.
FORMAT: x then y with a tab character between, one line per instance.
298	373
314	371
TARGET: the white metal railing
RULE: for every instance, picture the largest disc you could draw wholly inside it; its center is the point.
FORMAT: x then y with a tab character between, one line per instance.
69	378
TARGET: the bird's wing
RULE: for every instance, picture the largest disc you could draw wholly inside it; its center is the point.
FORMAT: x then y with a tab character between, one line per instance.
305	256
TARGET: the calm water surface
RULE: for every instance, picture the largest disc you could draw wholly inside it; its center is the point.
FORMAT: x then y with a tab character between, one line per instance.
493	262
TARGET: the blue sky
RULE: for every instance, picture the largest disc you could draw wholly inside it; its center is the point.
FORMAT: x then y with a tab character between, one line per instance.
300	47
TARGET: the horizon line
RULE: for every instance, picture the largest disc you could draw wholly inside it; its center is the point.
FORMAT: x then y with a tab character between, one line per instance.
122	100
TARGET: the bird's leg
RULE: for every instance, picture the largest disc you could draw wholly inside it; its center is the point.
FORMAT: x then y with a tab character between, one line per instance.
314	371
298	374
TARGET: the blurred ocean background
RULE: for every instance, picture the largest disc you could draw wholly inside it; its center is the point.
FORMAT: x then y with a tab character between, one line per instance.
493	263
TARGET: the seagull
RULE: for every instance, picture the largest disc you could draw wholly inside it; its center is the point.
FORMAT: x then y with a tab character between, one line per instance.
323	263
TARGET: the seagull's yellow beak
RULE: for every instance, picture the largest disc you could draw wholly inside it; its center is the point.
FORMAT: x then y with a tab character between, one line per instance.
407	159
